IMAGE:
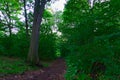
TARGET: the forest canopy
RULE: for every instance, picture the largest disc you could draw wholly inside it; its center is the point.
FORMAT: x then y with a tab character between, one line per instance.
86	34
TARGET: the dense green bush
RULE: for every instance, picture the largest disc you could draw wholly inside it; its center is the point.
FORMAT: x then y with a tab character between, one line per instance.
47	48
14	46
91	40
80	62
18	46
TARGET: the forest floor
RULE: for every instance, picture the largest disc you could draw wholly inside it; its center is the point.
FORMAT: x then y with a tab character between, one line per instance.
55	71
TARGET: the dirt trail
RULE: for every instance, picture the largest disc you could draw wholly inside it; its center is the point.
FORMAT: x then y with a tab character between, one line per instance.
56	71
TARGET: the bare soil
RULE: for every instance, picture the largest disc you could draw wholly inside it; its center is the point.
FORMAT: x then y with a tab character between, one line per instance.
55	71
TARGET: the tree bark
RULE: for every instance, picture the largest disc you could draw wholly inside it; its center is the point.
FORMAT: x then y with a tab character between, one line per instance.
34	44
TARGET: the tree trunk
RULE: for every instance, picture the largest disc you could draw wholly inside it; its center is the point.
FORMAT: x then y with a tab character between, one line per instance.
10	29
34	44
9	19
26	18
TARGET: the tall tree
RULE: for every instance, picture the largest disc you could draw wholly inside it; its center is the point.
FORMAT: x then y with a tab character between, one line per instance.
9	10
33	50
9	18
26	18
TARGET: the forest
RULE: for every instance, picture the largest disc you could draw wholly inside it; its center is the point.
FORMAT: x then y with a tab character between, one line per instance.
82	42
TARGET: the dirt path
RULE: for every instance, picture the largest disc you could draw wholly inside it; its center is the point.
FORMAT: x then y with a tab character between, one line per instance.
54	72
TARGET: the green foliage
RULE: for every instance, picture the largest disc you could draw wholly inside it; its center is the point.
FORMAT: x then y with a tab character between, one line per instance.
9	12
81	61
47	47
47	14
90	38
47	38
17	44
14	46
13	66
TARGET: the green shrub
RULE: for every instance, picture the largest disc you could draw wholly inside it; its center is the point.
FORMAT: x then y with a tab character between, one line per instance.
13	66
47	48
80	62
14	46
18	45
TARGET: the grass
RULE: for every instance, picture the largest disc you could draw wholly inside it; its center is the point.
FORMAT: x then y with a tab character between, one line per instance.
13	66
